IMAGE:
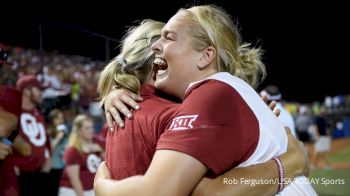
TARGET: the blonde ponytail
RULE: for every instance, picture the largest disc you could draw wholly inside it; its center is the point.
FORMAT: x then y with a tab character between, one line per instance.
135	63
252	69
113	75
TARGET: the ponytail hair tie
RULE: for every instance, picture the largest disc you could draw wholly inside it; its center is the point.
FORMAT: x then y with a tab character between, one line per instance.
122	62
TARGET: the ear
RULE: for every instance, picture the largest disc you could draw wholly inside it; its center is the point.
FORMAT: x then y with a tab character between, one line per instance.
208	55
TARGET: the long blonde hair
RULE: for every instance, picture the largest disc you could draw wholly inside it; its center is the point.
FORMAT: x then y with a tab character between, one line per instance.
75	139
135	62
210	25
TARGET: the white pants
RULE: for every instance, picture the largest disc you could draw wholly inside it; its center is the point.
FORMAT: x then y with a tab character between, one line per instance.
323	144
64	191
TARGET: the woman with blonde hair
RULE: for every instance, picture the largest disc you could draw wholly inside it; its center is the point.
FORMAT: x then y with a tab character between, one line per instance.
82	156
130	150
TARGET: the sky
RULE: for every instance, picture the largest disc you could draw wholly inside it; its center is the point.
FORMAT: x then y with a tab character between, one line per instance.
304	43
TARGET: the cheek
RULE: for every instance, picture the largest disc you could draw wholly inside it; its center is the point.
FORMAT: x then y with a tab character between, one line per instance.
172	52
89	132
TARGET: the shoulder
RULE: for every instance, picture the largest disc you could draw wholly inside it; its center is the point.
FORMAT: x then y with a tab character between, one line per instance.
208	86
72	156
154	106
71	151
212	95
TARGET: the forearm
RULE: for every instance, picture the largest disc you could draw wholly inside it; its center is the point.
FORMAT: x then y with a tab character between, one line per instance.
170	173
130	186
56	141
259	179
77	186
21	146
292	166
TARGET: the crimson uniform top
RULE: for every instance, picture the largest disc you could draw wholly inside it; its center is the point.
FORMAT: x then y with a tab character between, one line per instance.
8	178
33	131
129	150
214	125
10	101
88	163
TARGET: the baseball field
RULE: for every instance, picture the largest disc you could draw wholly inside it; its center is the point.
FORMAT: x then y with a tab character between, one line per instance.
336	179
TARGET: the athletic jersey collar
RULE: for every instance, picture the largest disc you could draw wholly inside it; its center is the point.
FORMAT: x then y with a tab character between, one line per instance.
215	76
147	90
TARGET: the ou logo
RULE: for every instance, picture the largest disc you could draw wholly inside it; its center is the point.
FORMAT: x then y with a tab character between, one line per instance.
33	129
93	161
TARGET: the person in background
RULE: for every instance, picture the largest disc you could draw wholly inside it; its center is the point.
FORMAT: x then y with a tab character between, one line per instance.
273	94
82	157
10	111
303	122
323	139
59	138
33	166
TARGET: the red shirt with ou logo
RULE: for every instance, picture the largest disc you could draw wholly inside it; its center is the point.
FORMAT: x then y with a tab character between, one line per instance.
88	163
33	131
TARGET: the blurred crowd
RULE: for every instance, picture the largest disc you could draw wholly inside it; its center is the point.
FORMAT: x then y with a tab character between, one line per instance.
56	144
69	81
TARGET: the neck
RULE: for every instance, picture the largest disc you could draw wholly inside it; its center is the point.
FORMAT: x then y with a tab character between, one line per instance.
27	104
150	82
150	79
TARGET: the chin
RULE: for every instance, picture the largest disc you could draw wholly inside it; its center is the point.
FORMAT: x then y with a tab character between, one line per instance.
160	83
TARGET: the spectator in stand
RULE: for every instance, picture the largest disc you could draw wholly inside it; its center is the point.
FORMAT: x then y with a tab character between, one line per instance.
59	137
10	110
33	166
83	155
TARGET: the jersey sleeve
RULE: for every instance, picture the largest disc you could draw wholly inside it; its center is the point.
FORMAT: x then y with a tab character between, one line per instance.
211	125
161	120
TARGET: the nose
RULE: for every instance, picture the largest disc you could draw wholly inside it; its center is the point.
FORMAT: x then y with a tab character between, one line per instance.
156	46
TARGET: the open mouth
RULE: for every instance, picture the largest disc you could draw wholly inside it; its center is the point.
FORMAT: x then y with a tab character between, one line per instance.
160	65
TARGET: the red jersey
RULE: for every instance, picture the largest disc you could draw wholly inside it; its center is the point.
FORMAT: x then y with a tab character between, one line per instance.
88	163
129	150
33	131
214	125
8	178
10	100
